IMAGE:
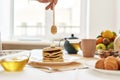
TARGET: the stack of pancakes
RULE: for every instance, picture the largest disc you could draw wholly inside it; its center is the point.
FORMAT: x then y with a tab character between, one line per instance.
52	54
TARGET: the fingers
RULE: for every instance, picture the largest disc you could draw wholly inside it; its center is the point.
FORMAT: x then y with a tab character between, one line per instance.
50	6
43	1
55	2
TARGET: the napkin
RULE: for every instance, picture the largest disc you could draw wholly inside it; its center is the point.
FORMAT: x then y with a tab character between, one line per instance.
60	66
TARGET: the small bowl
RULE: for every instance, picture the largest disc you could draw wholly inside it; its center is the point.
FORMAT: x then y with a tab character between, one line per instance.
14	62
106	53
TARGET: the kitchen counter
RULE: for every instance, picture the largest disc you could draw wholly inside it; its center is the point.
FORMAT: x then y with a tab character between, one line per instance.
26	45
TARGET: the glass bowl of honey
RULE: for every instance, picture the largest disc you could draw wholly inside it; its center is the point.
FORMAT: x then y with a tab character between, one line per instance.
15	62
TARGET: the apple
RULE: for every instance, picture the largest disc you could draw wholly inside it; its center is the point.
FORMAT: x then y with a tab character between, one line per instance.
100	46
110	45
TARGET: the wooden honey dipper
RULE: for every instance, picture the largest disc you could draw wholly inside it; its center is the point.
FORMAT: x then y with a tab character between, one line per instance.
53	27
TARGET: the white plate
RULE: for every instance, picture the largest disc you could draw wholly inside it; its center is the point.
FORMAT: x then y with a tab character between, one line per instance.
53	63
67	60
91	65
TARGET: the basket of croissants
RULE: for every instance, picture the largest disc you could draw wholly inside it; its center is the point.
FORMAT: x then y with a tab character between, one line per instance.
108	63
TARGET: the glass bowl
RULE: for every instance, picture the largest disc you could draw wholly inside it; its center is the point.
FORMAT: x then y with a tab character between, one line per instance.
14	62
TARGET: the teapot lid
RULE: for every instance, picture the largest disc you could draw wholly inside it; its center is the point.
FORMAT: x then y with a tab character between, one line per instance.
72	37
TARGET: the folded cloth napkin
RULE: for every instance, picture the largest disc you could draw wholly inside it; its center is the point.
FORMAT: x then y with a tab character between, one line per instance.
57	66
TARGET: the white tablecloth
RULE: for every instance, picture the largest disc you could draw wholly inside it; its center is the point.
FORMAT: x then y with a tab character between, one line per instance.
36	74
30	73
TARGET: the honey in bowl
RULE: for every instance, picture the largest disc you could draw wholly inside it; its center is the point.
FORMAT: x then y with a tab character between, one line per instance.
14	62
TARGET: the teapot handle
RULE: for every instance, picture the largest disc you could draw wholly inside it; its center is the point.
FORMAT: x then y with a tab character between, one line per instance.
60	42
80	45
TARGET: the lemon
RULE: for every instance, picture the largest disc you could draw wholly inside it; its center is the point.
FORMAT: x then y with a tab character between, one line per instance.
107	34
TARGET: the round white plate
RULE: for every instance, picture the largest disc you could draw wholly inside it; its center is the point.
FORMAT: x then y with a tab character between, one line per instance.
67	60
91	65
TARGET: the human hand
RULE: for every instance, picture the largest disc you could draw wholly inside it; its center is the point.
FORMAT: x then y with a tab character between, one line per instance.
50	5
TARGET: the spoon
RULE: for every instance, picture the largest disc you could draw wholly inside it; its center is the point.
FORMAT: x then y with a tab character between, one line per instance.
53	27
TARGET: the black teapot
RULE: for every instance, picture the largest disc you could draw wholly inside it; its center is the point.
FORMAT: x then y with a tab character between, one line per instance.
71	44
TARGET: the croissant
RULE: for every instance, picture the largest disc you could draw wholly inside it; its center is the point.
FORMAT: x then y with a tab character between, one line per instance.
118	60
111	63
100	64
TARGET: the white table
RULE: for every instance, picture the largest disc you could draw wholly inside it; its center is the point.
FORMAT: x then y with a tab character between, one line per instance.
36	74
30	73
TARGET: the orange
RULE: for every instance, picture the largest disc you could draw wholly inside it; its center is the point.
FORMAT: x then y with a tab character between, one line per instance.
99	40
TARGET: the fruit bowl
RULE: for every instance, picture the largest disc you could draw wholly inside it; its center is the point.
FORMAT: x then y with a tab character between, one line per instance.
106	53
14	62
105	40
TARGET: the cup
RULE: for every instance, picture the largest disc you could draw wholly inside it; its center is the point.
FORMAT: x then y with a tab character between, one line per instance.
88	47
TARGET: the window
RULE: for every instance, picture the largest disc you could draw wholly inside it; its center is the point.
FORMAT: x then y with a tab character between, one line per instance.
31	20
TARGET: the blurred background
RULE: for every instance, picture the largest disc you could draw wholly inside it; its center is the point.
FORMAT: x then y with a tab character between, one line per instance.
27	20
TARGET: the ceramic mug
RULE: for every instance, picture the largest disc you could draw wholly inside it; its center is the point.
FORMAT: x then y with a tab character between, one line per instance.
88	47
